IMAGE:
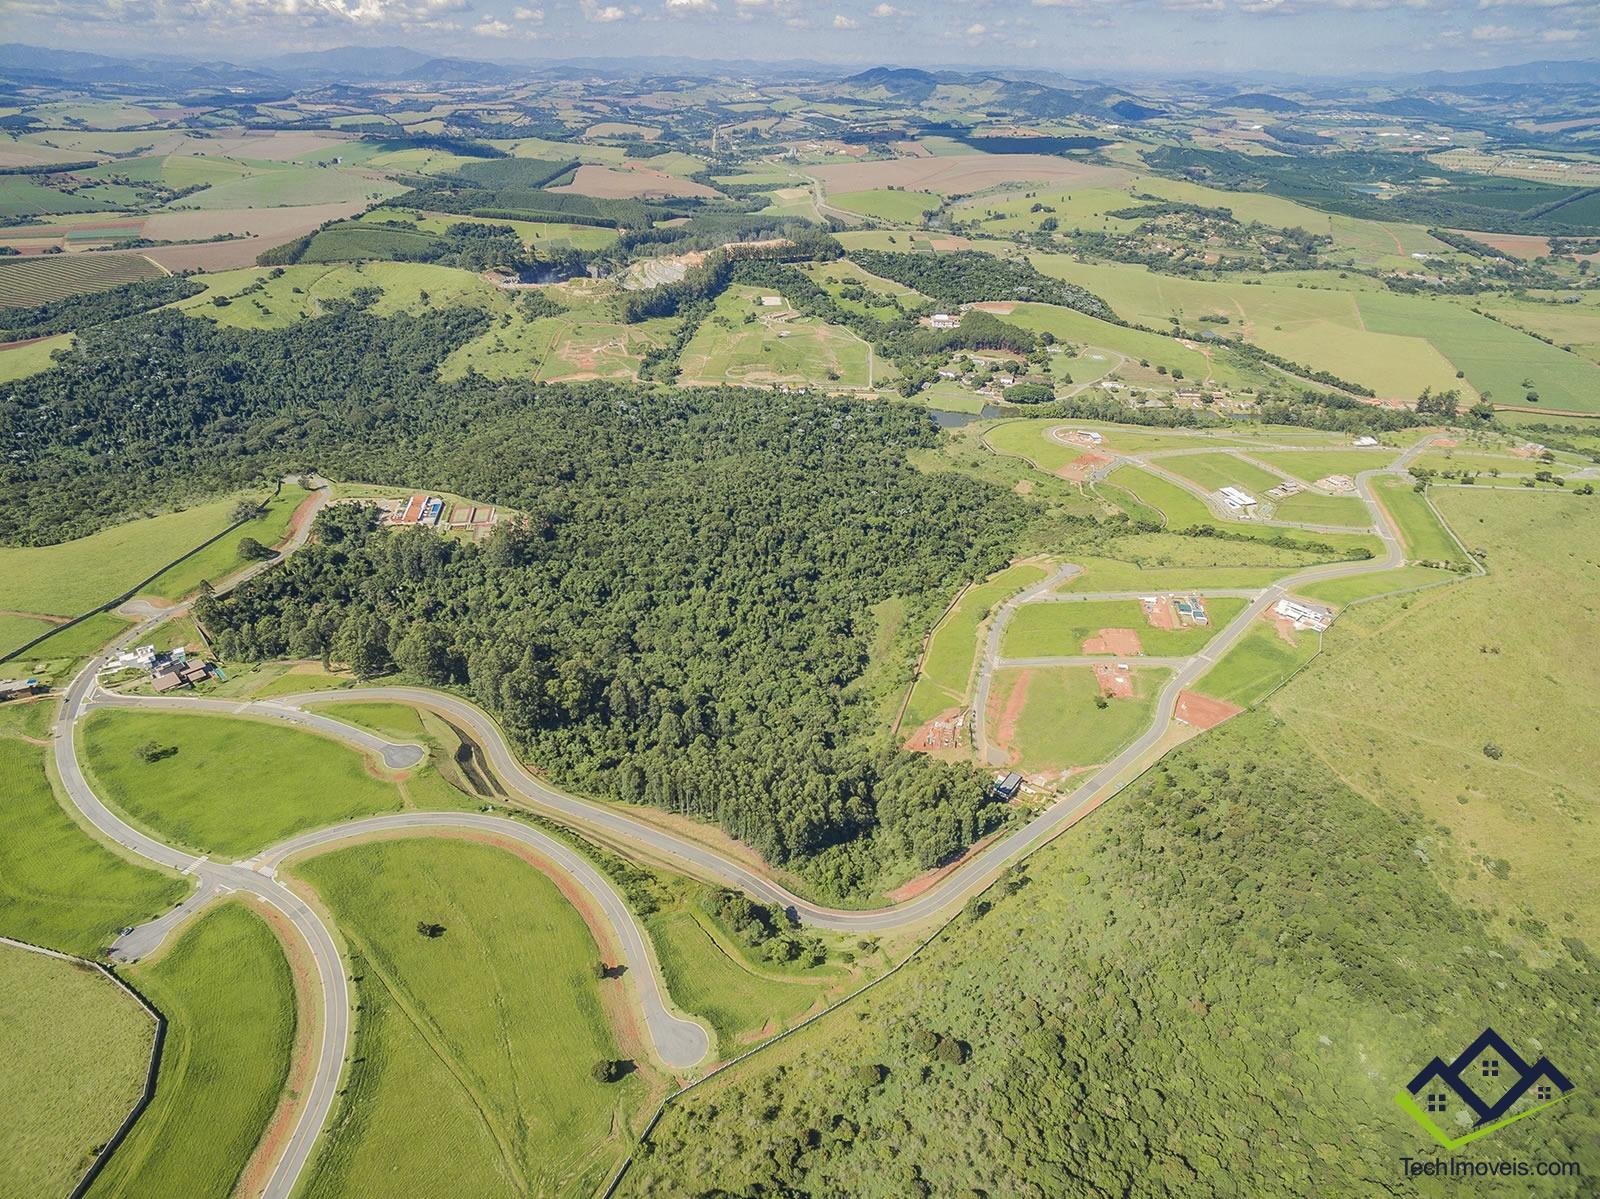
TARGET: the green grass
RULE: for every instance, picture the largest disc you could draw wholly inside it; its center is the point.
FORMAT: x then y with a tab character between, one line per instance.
471	1066
281	780
1215	471
1426	540
80	1047
75	576
947	665
1310	465
547	234
26	361
21	196
305	290
728	348
55	655
1314	508
217	561
227	993
281	184
904	207
1360	587
1165	563
1258	662
708	977
19	630
1056	629
60	887
1076	327
1059	726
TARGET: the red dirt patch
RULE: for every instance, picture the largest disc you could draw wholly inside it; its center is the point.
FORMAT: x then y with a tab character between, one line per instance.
996	307
1114	682
943	731
948	245
1160	613
1203	712
1081	467
1445	443
1006	729
1122	642
1518	245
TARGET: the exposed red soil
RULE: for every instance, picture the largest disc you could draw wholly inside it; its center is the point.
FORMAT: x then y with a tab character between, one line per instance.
1122	642
948	245
941	732
997	307
1114	683
1006	730
1161	614
1445	443
1203	712
1284	625
26	341
1081	467
1518	245
631	183
916	886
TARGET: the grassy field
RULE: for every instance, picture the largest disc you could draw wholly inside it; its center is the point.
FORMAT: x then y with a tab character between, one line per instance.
585	342
75	576
1215	471
1058	726
1054	629
24	361
1426	540
903	207
1160	573
226	990
1499	754
472	1063
1310	465
1258	662
1314	508
53	657
36	280
59	887
80	1049
294	780
1080	329
742	342
947	665
274	185
19	630
548	234
221	559
1360	587
304	290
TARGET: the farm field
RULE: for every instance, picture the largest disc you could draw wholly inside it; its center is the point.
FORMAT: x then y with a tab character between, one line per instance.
902	207
946	666
777	347
481	1039
277	304
22	196
532	233
60	887
1510	780
834	277
297	780
1575	325
1426	540
80	1048
28	281
288	185
1259	661
1045	720
1051	629
224	985
959	174
1070	325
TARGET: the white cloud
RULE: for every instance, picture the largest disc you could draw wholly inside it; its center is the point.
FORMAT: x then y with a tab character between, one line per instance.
1494	33
840	21
1559	35
884	11
683	8
533	16
977	29
601	14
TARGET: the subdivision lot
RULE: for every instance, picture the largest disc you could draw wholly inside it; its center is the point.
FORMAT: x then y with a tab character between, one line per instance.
226	990
1426	540
1050	629
1258	662
1311	465
1215	471
480	1039
79	1047
1045	719
1314	508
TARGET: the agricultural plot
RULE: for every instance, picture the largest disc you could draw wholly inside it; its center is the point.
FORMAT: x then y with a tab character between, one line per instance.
1512	778
835	277
226	990
1046	721
471	1071
279	185
1258	662
1426	539
743	342
960	174
297	780
1575	325
38	280
902	207
24	196
1356	588
1053	629
79	1050
548	234
304	291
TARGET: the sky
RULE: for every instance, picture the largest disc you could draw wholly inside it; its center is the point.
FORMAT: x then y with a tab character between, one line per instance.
1088	37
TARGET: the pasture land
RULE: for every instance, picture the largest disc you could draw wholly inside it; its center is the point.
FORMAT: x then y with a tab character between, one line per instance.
23	361
471	1071
834	277
37	280
1055	629
281	780
279	185
1046	721
1360	587
303	290
228	995
946	667
1575	325
1426	540
54	657
59	886
742	342
1258	662
586	342
25	196
632	183
16	631
1499	756
80	1047
902	207
221	558
959	174
1196	362
548	234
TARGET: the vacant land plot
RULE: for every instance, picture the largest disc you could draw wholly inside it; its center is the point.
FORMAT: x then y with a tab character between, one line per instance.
17	631
472	1064
227	993
1314	508
1215	471
961	174
1046	720
302	291
1574	325
947	664
1360	587
549	234
28	281
1311	465
79	1050
221	558
636	183
587	342
1052	629
1258	662
293	184
1499	757
905	207
1426	540
775	347
295	780
1067	325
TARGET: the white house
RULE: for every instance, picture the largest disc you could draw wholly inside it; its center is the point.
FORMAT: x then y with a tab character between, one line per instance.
943	320
1304	616
1238	501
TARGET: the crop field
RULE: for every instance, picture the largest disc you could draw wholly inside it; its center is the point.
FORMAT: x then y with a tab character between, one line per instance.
28	281
1058	629
960	174
634	183
1426	540
79	1049
1314	508
285	185
1258	662
1215	471
1046	720
226	990
776	347
297	780
903	207
480	1039
1513	779
947	665
23	196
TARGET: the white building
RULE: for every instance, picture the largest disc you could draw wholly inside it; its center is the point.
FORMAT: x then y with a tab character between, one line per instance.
1304	616
1238	501
1088	435
772	301
943	320
1366	441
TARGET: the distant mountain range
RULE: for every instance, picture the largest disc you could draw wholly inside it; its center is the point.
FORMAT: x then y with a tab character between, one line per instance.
1022	96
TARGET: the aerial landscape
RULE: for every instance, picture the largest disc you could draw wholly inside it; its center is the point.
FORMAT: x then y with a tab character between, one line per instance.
767	601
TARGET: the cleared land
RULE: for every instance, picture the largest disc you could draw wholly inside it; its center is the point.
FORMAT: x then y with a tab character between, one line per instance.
1426	540
1314	508
1215	471
1258	662
1056	629
471	1072
775	347
631	183
901	206
1046	720
226	990
79	1049
295	780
